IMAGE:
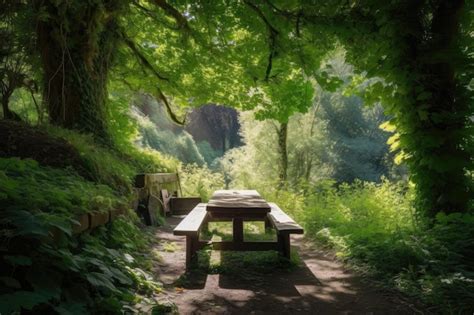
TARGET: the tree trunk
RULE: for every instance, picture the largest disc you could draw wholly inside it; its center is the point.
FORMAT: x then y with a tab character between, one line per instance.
76	62
282	150
6	110
439	158
7	113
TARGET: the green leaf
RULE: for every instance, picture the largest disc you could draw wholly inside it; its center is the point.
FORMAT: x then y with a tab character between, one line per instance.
22	299
10	282
100	280
71	309
423	96
18	260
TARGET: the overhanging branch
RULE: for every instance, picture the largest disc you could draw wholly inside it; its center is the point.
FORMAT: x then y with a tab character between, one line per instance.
144	62
180	19
141	57
272	36
172	115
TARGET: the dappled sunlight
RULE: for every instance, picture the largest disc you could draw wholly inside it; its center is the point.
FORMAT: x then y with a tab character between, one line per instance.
319	153
316	283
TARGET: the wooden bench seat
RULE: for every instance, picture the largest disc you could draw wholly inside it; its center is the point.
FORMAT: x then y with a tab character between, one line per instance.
284	226
191	224
282	222
190	227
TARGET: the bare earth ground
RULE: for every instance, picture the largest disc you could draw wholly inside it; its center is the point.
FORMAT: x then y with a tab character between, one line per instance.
320	285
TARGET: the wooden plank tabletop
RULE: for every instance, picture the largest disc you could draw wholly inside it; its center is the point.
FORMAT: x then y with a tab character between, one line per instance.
238	201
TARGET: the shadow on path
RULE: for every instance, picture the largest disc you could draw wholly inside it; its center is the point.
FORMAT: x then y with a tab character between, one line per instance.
320	285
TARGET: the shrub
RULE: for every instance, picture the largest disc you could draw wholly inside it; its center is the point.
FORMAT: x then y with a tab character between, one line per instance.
200	181
372	225
45	272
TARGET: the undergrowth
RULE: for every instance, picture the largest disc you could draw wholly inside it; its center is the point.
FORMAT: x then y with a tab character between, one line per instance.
374	227
45	269
113	167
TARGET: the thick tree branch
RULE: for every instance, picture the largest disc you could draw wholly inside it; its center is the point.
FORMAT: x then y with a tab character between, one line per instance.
143	60
172	115
174	13
152	15
160	95
272	35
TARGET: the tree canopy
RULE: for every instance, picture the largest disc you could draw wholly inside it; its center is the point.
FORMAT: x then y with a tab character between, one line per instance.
415	57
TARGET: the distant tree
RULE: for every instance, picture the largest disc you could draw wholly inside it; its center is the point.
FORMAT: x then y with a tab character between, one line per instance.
356	147
15	57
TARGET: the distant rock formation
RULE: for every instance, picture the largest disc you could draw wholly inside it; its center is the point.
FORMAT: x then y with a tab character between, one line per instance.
216	124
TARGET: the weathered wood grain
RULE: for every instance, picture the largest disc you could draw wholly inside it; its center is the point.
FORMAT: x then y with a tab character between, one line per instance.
183	205
282	222
192	223
237	202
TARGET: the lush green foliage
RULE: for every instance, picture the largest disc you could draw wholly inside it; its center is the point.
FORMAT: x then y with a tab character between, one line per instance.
157	133
44	267
26	186
338	138
265	56
375	227
113	167
199	181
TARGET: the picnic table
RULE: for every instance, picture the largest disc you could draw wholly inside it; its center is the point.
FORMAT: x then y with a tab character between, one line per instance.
237	206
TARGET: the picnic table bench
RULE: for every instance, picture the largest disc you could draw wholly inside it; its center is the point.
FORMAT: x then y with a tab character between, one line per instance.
238	206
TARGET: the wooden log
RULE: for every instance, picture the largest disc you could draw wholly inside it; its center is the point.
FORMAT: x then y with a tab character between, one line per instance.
160	178
83	225
98	218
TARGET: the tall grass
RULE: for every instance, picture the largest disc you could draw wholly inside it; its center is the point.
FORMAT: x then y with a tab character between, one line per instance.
374	226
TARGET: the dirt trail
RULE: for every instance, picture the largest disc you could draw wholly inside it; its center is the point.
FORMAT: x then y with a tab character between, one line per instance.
321	285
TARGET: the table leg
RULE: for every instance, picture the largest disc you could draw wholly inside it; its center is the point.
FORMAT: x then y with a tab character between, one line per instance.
268	224
238	230
191	250
284	244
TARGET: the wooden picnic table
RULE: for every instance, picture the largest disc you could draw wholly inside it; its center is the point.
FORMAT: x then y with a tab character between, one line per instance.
237	206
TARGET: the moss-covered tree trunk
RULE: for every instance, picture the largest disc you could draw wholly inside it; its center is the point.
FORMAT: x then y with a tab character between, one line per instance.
439	120
76	41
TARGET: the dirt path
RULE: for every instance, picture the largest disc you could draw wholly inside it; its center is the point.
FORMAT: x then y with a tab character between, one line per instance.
321	285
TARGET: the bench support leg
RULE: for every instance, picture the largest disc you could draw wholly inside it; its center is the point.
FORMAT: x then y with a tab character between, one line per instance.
191	250
268	224
205	225
284	244
238	230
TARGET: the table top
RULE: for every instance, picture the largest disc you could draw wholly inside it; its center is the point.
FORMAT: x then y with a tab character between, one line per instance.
243	201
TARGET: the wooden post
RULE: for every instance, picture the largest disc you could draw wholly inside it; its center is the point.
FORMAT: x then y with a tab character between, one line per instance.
238	230
284	244
191	248
205	225
268	224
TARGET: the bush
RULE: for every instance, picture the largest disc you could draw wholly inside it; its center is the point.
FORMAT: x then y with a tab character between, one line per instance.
112	167
373	226
27	186
200	181
44	269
